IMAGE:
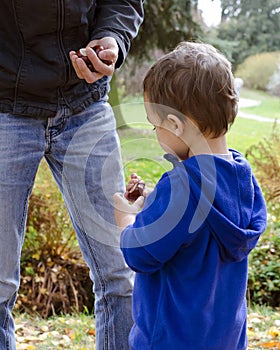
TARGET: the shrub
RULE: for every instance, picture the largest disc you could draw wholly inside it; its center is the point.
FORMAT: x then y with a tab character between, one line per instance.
54	277
257	70
264	269
273	86
264	261
265	158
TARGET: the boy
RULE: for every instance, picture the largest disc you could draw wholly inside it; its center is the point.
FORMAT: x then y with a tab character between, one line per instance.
189	245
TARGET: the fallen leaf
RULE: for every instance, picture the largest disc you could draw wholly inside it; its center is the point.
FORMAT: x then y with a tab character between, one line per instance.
274	332
44	328
256	320
91	332
271	344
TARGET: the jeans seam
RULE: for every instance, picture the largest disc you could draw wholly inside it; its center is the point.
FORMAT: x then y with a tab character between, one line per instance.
6	321
5	325
25	211
101	280
49	134
103	288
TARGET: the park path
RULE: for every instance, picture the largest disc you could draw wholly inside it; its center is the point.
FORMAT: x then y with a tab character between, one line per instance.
245	102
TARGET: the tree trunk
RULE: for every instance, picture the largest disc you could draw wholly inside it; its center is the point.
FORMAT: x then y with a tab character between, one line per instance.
115	103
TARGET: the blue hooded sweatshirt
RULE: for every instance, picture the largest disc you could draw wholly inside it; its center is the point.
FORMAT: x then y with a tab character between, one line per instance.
189	247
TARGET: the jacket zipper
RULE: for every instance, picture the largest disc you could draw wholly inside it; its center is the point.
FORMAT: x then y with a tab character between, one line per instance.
64	57
21	61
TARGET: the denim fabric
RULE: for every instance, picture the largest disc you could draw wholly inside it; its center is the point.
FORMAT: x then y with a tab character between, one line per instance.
82	151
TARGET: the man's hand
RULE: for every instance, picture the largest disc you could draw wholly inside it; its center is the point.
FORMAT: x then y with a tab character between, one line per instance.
109	53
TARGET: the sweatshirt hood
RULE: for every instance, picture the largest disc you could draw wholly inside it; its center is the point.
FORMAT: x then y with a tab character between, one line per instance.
229	203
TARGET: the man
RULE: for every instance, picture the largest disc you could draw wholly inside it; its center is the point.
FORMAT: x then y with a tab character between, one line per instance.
53	106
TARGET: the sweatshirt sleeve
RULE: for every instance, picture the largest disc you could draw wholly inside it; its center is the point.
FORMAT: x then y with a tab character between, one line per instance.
161	228
119	19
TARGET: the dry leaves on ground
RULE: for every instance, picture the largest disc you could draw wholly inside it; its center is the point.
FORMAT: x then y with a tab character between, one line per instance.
264	330
77	332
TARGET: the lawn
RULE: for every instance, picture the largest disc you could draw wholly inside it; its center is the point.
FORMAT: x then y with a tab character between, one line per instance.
142	154
269	107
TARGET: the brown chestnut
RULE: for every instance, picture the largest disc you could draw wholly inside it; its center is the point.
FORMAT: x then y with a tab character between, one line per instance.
82	54
136	191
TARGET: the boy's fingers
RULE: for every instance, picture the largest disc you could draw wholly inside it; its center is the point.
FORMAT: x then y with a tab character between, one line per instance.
121	204
118	200
138	204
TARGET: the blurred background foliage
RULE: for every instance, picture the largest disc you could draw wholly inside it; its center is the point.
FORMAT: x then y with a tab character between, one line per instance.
264	262
247	28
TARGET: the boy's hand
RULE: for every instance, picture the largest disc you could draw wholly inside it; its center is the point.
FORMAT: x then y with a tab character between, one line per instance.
124	211
110	53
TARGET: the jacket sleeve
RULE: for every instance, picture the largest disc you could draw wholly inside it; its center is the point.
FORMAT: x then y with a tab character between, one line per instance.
160	229
119	19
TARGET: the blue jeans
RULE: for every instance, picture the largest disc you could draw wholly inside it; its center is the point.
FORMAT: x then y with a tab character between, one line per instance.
83	154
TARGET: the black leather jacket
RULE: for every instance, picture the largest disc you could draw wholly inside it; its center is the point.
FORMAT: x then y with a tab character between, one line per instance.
35	39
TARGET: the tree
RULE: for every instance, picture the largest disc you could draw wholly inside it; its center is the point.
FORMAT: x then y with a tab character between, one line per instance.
251	26
166	23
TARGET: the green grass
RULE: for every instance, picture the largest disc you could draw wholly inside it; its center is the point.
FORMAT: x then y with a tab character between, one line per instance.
245	133
269	107
135	115
142	154
141	142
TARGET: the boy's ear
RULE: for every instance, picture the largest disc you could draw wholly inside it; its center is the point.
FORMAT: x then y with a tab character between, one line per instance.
177	125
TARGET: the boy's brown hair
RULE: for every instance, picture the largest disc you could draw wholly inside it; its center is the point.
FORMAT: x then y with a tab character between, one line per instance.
196	80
